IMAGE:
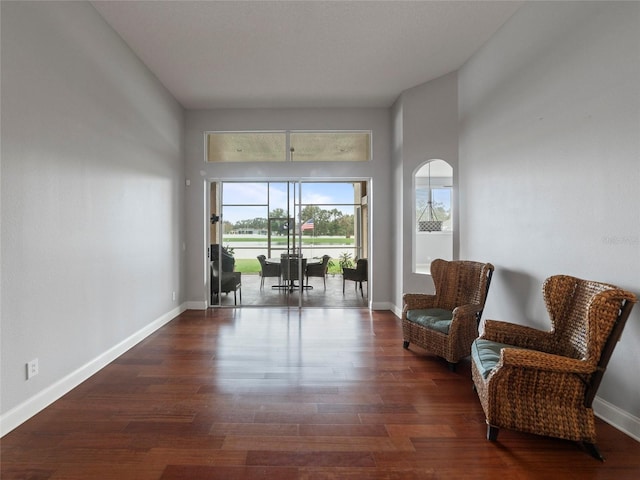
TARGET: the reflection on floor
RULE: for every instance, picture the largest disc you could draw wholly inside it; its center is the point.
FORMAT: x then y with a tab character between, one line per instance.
282	394
317	296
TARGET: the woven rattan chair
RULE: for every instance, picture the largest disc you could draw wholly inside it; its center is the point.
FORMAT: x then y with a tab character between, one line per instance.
224	279
544	382
359	274
267	269
447	323
318	270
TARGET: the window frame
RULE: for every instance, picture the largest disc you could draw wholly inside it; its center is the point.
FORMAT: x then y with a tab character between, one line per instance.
289	153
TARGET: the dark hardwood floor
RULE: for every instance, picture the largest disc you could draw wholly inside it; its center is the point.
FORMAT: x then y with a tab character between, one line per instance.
276	394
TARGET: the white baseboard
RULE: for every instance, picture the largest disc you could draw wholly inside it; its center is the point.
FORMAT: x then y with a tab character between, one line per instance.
614	416
380	306
617	418
44	398
396	310
197	305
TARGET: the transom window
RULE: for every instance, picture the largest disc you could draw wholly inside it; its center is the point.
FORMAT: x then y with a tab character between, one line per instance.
293	146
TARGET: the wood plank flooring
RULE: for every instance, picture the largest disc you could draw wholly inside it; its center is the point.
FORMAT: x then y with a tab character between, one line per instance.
275	394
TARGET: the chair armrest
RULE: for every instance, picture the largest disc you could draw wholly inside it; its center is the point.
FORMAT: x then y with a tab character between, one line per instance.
517	335
534	360
464	323
348	273
418	301
464	319
467	310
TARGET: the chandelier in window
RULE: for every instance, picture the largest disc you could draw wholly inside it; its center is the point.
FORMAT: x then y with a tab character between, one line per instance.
431	222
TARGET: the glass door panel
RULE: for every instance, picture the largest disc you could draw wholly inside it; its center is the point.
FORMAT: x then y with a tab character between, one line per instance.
291	263
331	227
276	232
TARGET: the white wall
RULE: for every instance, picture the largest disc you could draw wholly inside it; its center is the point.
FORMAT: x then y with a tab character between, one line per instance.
92	199
428	118
550	164
199	173
397	217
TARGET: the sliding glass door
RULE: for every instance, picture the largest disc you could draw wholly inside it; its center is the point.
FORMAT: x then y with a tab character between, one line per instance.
288	241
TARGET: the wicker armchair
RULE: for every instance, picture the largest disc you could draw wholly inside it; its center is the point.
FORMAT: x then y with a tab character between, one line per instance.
447	323
359	274
224	279
544	382
318	270
268	269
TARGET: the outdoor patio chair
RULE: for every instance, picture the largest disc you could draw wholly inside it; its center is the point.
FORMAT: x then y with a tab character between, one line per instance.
318	270
268	269
359	274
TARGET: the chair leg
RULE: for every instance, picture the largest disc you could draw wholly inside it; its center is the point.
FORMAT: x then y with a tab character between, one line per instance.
343	285
592	450
405	344
492	433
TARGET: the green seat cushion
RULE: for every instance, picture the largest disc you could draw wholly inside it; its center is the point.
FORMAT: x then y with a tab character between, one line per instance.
486	354
437	319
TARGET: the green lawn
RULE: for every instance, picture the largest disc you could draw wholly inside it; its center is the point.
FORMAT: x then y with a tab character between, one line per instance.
247	265
250	265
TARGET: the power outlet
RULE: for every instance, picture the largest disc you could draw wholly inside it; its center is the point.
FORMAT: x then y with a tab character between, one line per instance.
32	368
173	296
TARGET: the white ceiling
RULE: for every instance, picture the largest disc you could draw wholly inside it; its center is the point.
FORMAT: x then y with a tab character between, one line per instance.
259	54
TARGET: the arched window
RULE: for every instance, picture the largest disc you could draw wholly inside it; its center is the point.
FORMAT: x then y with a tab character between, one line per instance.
433	220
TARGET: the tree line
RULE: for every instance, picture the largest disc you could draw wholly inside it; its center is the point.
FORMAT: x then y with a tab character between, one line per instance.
326	222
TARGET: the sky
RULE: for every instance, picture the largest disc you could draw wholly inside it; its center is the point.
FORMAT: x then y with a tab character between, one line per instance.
243	201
